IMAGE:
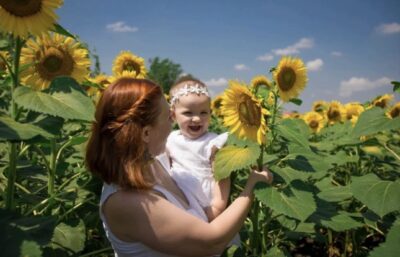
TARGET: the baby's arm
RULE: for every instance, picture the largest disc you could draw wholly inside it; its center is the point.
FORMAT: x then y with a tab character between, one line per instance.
220	193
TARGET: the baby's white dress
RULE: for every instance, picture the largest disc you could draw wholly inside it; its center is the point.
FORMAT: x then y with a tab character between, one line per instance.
191	167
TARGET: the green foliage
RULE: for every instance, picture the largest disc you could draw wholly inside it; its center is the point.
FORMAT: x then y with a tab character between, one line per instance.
71	237
333	193
296	101
396	86
294	130
381	196
61	30
164	72
231	158
15	131
294	201
65	99
390	248
373	121
30	249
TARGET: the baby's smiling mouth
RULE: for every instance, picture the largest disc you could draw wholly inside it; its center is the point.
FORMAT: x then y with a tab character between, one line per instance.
195	128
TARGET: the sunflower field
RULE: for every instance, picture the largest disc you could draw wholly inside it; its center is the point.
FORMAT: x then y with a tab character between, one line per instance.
336	189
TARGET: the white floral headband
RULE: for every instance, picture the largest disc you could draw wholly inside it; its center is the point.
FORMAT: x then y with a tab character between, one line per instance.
188	89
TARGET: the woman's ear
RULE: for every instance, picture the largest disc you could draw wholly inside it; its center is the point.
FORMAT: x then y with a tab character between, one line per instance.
146	134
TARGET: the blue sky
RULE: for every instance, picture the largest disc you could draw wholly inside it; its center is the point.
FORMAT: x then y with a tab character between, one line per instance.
352	47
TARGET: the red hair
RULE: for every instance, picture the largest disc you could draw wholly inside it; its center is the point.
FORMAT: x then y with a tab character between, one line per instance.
115	150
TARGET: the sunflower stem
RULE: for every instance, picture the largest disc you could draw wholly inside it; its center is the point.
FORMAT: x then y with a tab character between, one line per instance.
52	168
12	176
273	119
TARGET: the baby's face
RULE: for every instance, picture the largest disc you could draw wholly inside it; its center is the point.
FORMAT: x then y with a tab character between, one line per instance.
192	113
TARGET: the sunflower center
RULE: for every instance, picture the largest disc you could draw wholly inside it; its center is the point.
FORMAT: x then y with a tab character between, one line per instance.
313	124
217	103
381	104
131	66
318	108
286	78
333	114
349	116
22	8
249	112
395	112
55	63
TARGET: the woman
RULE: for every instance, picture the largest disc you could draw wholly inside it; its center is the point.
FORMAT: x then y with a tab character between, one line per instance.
144	213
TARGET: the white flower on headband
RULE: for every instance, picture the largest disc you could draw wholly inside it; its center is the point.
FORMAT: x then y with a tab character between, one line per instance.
189	89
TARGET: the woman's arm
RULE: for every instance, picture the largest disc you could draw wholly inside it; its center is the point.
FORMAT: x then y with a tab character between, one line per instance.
154	221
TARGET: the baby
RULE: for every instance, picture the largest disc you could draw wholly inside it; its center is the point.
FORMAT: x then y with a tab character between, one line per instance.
192	148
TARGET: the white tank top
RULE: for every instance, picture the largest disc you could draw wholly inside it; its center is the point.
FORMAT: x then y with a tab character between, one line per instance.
137	249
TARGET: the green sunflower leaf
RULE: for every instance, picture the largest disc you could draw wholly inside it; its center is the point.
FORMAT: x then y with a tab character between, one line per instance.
294	201
373	121
12	130
71	237
380	196
396	86
391	245
231	158
65	99
296	101
30	249
60	30
295	131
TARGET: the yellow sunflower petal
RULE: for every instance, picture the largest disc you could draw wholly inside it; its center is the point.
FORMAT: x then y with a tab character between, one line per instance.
291	77
129	63
22	18
50	56
242	113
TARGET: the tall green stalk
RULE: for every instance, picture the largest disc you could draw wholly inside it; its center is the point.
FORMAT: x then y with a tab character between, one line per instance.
12	175
52	168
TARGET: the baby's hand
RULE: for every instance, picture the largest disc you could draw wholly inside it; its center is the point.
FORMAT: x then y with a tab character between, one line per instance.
214	151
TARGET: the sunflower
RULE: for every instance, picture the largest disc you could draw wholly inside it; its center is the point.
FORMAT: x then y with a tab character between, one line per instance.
292	115
394	112
353	111
28	16
271	99
51	56
291	77
382	101
132	65
102	81
4	57
216	105
243	113
335	112
320	106
259	81
314	120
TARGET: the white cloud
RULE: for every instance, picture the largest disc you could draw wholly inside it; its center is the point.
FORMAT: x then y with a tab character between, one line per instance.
389	28
336	53
355	84
303	43
265	57
120	26
314	65
241	67
220	82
